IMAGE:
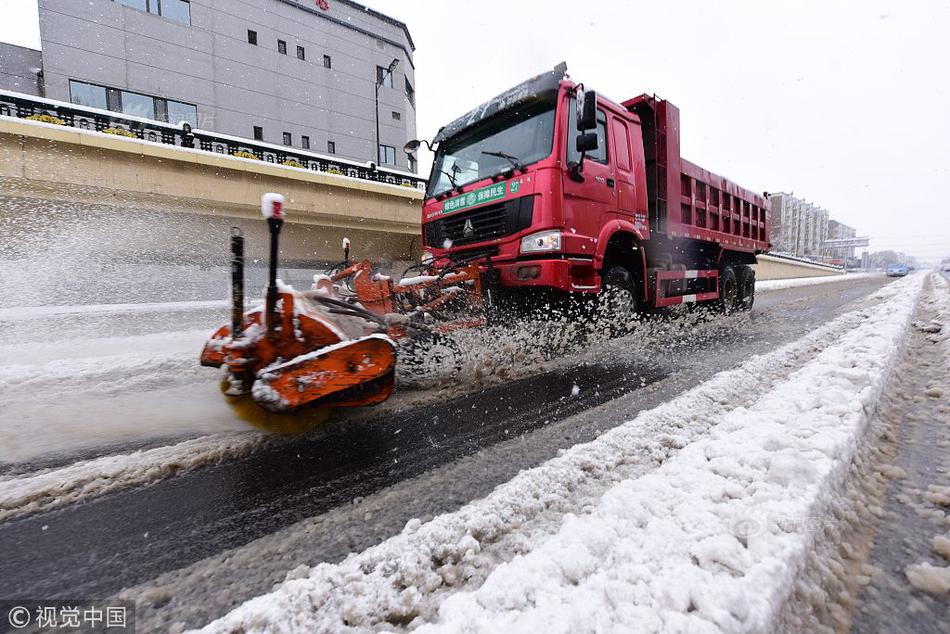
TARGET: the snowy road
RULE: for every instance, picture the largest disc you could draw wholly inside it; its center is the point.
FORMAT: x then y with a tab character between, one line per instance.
246	509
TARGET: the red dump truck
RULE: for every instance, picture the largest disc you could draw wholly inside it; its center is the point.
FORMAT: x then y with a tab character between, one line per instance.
550	188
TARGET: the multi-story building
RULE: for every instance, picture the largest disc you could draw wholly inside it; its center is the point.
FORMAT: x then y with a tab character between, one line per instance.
798	227
20	69
840	231
301	73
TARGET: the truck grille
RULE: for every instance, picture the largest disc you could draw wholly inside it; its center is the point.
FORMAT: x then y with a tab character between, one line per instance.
484	223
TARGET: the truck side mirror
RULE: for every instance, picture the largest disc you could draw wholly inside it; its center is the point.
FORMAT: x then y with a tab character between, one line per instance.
587	142
586	110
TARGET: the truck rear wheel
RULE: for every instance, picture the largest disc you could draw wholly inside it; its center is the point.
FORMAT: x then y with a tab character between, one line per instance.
728	291
617	304
746	288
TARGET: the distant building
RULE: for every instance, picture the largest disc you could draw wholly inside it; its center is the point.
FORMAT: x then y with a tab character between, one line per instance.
301	73
798	227
840	231
21	69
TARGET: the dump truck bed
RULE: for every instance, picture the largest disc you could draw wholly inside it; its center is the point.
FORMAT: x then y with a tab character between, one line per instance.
687	201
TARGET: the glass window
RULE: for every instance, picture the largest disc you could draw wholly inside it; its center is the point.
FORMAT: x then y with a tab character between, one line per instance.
411	160
87	95
288	138
384	77
331	147
141	5
387	154
600	154
396	116
410	93
178	112
305	142
327	61
138	105
178	10
301	53
525	133
252	37
258	133
282	47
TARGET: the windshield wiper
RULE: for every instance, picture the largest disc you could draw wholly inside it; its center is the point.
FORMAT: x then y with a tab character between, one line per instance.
452	180
514	160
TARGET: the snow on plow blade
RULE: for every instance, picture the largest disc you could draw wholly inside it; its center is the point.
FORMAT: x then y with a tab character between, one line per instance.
350	373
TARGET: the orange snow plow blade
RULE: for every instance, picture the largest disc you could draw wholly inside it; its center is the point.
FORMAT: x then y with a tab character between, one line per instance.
330	376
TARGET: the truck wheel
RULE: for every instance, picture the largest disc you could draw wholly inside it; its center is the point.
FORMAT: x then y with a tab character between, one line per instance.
728	291
617	303
746	288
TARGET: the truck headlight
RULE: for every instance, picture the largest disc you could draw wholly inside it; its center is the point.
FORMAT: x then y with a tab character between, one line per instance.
541	242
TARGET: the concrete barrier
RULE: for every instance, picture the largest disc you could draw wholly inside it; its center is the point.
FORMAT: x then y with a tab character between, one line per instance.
778	268
178	199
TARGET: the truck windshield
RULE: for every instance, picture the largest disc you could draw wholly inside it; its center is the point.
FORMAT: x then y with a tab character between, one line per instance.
525	133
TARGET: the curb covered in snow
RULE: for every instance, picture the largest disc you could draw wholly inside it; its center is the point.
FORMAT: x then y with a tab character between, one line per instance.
52	488
709	541
776	285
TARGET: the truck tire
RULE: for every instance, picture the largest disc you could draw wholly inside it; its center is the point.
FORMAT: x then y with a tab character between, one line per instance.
617	304
728	291
746	288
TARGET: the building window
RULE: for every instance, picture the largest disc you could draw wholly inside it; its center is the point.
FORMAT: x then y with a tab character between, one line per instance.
410	93
331	147
288	138
384	77
252	37
396	116
282	47
178	112
88	95
305	142
178	10
411	160
327	61
301	53
258	133
387	155
132	103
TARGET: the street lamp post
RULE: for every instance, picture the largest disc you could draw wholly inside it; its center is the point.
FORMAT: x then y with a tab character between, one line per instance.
379	82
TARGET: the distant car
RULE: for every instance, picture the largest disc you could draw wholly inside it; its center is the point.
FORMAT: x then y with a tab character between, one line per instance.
897	270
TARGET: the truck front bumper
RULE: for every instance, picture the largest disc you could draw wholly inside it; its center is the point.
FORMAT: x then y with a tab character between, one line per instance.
561	274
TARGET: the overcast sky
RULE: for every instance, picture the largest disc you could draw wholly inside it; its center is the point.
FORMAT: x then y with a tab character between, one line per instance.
846	104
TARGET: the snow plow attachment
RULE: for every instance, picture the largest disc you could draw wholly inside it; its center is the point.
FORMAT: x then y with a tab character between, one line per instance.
289	363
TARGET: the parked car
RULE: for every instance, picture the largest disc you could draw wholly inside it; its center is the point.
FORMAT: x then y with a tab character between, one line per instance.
897	270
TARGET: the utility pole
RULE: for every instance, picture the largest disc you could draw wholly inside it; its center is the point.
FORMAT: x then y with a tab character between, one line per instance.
379	82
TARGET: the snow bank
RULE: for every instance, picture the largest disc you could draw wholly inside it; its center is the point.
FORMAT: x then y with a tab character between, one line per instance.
775	285
51	488
708	541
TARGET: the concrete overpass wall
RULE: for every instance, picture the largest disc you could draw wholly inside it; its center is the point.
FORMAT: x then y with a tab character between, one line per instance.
164	203
774	268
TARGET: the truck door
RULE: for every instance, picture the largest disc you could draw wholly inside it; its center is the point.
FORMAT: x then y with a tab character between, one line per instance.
626	184
588	204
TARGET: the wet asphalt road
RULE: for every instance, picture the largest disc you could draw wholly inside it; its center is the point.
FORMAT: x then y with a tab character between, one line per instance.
98	547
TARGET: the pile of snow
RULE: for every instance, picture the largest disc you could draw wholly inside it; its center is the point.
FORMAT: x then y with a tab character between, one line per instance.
52	488
776	285
710	540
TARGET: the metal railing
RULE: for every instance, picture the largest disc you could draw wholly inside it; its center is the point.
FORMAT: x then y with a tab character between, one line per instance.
23	106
